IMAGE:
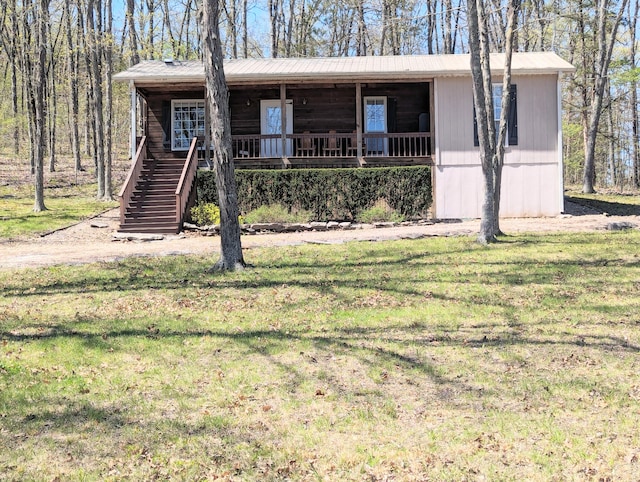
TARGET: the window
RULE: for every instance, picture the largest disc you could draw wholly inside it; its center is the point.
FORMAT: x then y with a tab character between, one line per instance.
512	121
187	122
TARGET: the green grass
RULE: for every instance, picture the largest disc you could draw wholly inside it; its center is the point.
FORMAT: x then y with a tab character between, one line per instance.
65	206
614	204
432	359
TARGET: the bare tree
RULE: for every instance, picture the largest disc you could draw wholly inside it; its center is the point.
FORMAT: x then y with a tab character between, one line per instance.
603	59
73	61
634	98
219	119
491	148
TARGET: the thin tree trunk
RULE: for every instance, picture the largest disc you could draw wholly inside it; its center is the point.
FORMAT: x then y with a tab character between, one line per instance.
40	80
218	100
95	41
108	57
72	60
634	100
245	30
133	36
52	115
605	50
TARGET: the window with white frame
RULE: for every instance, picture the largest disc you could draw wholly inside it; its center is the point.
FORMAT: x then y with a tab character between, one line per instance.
187	122
512	121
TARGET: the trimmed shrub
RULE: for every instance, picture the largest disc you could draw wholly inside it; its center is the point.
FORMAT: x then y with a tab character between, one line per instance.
329	193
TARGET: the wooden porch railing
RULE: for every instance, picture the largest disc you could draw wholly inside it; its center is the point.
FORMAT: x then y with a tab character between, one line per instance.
185	184
332	144
132	177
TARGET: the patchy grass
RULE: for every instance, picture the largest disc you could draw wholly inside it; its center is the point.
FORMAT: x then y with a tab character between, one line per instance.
432	359
66	205
614	204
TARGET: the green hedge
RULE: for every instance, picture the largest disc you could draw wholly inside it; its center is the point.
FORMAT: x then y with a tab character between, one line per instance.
329	193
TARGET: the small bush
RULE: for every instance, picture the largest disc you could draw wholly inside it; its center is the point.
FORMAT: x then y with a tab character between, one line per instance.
276	213
380	213
205	214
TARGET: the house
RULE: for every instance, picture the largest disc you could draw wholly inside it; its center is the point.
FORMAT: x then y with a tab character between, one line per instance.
347	112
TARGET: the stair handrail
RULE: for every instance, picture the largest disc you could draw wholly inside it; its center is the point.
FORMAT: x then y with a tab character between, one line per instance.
185	185
132	177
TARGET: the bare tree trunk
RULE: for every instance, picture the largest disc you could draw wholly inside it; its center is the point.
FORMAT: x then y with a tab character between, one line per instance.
72	60
361	39
218	100
634	100
40	80
446	20
108	57
245	30
605	50
95	42
52	112
133	36
151	10
491	149
273	23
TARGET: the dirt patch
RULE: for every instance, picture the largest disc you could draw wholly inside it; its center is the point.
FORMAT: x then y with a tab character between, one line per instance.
92	240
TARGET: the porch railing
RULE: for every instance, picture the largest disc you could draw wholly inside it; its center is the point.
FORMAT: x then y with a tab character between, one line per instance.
185	184
132	177
332	144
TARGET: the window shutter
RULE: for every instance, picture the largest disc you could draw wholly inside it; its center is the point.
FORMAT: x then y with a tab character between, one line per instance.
166	124
513	116
476	140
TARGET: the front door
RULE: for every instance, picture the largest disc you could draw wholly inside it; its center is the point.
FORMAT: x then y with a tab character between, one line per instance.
375	122
271	125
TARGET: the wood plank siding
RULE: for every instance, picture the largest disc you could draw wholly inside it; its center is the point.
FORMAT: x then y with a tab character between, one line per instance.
319	109
157	101
532	177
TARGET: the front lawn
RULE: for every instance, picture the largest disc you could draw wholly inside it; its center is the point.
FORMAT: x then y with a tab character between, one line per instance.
66	205
431	359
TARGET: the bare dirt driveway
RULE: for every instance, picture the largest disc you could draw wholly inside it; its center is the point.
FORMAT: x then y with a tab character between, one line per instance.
93	240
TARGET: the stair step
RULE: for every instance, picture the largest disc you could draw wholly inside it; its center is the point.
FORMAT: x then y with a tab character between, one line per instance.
164	228
152	206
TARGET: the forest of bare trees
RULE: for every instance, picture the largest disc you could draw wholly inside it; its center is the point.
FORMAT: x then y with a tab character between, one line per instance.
57	58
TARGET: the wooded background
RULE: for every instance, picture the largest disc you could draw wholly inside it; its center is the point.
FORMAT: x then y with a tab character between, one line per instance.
83	42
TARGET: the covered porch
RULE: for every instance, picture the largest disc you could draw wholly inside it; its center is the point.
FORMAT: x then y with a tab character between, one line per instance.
332	125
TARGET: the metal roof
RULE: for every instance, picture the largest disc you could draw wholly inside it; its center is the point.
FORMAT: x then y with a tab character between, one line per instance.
335	69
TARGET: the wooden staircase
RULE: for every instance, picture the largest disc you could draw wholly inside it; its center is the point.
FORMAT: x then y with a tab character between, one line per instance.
152	200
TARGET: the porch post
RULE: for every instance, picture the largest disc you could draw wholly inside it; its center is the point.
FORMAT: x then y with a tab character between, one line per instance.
359	119
283	118
134	120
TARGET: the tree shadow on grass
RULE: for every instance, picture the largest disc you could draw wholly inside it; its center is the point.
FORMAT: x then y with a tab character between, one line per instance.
602	206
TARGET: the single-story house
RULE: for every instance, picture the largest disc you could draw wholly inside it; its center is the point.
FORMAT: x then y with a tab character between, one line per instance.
350	112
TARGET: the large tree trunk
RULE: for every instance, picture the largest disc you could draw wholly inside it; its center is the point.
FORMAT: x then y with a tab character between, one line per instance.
218	101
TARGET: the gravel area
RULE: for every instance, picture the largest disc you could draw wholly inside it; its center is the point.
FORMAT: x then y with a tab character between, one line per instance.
93	240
